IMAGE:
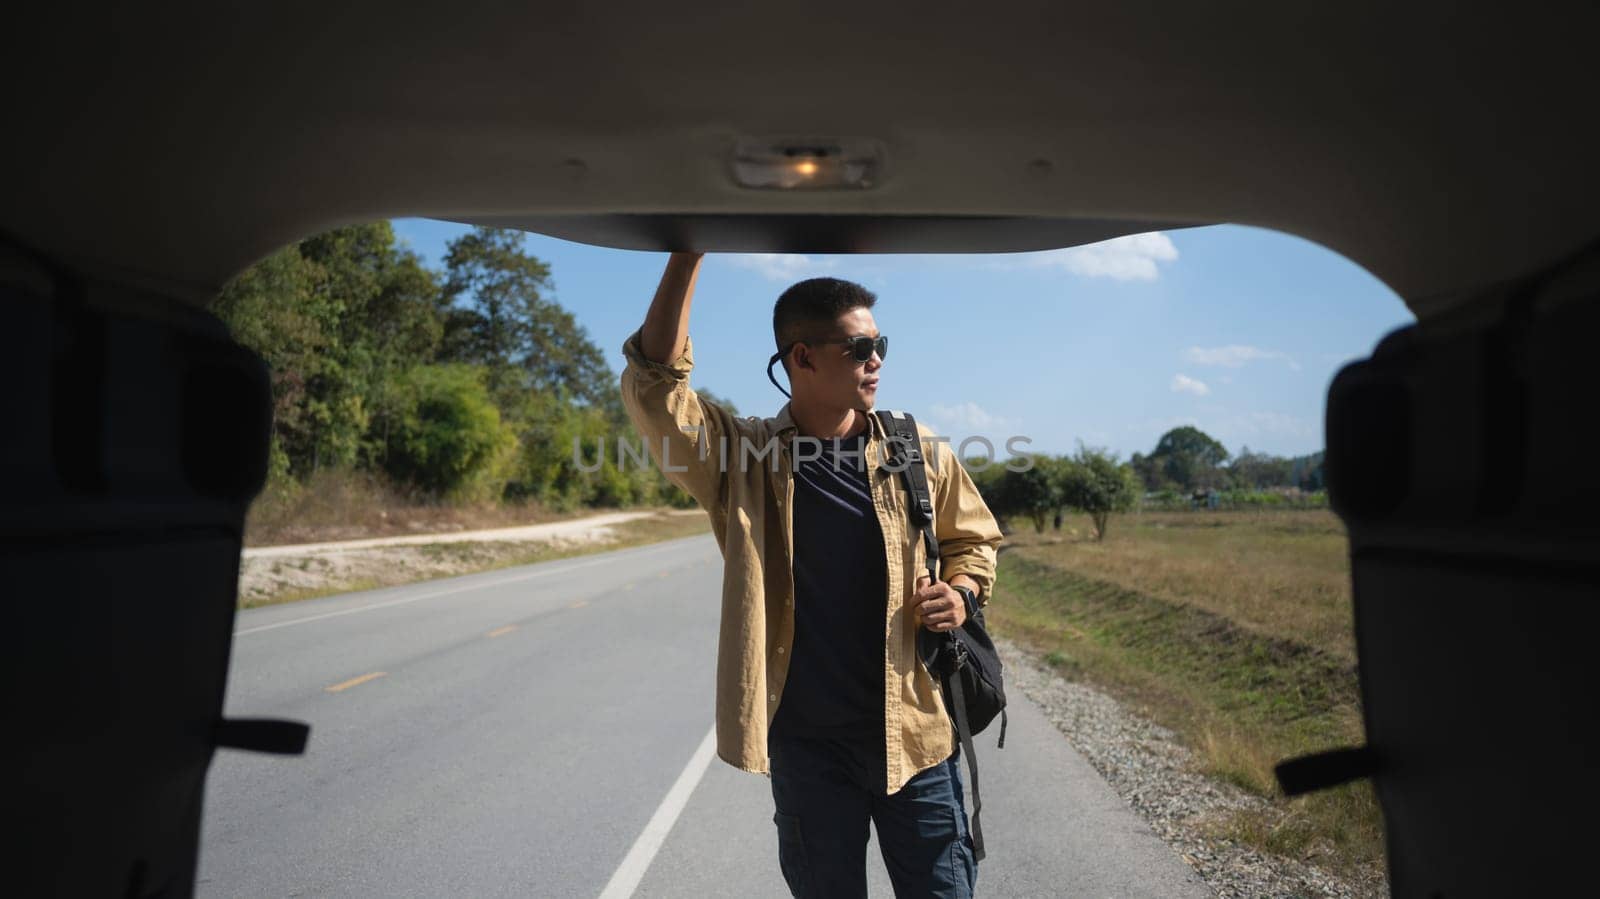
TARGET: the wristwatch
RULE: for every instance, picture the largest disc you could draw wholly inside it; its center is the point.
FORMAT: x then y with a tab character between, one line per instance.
971	598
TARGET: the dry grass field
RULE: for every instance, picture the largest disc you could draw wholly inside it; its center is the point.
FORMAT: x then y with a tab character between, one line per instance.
1232	628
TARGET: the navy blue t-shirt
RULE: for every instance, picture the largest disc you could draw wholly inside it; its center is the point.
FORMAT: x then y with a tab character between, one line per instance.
835	683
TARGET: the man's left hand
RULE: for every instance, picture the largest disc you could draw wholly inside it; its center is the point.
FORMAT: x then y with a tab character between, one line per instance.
938	605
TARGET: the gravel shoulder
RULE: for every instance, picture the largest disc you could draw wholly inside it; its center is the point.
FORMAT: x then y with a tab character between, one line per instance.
1155	775
588	529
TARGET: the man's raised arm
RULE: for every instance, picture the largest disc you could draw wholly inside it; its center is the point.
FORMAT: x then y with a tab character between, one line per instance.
676	424
666	325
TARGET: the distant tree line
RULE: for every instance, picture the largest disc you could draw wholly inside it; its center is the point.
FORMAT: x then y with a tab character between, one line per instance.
472	383
1189	460
469	383
1186	463
1091	481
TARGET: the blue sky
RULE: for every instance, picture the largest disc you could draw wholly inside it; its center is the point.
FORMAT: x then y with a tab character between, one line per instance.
1235	330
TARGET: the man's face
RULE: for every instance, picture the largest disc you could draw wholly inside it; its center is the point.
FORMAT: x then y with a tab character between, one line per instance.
836	379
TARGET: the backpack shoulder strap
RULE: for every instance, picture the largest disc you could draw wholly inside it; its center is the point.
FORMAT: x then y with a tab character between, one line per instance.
903	426
906	445
906	455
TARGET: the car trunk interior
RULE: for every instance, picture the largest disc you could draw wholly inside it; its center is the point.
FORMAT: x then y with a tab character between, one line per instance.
154	153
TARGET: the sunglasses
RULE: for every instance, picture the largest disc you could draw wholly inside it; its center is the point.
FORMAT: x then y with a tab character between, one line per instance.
861	350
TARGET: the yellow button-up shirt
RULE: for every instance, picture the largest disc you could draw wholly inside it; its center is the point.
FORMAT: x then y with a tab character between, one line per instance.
740	471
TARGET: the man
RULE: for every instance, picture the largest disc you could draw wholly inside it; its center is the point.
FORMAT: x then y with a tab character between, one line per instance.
818	679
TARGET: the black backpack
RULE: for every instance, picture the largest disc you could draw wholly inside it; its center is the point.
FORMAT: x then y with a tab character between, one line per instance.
963	661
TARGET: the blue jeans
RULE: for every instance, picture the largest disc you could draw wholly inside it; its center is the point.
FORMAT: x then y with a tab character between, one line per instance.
825	793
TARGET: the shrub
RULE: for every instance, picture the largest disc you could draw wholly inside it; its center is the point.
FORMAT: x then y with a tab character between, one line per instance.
445	435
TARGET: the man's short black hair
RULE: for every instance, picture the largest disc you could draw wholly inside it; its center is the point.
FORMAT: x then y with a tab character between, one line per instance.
809	309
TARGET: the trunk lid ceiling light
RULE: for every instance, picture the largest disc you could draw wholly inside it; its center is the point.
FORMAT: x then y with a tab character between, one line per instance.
807	163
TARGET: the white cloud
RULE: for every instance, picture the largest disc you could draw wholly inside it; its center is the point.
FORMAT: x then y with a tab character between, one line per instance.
1184	384
1134	257
1234	356
966	418
781	266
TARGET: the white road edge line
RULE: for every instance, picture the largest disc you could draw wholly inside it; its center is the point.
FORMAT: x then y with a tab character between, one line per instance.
411	599
637	861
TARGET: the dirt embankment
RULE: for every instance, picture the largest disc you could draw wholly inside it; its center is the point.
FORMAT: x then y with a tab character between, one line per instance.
273	574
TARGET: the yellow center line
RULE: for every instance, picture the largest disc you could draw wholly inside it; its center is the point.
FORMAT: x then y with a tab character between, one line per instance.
579	604
355	681
502	631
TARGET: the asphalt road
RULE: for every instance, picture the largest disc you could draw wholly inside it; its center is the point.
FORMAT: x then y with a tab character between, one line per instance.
541	731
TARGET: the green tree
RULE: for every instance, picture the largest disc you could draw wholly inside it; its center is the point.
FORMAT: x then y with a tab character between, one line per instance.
267	308
381	317
1033	493
492	289
334	317
559	440
560	356
496	314
1148	472
1305	472
355	330
549	379
1189	458
988	476
1256	471
1095	482
448	438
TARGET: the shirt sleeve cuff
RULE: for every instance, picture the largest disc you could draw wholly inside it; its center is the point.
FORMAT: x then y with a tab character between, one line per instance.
984	577
676	370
